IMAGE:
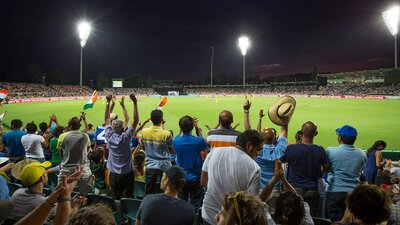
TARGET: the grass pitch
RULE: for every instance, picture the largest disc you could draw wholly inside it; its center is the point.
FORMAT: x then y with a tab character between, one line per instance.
374	119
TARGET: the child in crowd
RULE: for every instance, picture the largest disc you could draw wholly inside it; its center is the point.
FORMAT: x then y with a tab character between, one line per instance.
140	168
98	166
55	154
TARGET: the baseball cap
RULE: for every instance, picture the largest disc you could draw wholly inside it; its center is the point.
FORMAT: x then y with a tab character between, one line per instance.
174	173
347	131
31	173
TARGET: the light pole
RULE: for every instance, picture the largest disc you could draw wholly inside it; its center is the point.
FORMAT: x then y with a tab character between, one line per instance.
243	45
44	79
391	18
212	63
84	32
91	83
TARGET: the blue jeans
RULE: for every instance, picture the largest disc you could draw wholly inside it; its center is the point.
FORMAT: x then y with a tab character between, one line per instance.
335	205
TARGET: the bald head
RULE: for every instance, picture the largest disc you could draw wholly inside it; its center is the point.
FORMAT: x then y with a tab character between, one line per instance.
269	135
309	129
226	119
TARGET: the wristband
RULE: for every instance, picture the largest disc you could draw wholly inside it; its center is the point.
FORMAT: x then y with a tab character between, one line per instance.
246	111
64	199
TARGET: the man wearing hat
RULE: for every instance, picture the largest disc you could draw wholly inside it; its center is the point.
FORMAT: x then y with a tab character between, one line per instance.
34	177
167	208
344	166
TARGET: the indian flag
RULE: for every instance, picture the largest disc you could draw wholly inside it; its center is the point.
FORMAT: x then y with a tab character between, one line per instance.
91	101
3	94
2	115
162	103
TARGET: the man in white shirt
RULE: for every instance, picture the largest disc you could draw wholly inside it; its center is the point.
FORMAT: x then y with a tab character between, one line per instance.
231	169
33	143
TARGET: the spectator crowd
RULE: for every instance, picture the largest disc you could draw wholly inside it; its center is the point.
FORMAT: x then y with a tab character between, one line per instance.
52	173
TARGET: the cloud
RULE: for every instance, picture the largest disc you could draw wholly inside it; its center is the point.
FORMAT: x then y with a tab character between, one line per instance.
373	59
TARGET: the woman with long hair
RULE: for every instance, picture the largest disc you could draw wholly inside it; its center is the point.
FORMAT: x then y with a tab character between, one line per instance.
375	161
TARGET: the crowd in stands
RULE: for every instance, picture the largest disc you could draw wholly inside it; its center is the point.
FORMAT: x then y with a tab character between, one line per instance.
127	91
226	176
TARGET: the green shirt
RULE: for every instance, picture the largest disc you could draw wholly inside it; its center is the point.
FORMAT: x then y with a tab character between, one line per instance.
55	155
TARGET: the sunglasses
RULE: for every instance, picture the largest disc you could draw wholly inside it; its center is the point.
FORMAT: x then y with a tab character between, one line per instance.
236	205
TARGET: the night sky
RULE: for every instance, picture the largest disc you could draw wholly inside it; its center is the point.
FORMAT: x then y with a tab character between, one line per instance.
171	39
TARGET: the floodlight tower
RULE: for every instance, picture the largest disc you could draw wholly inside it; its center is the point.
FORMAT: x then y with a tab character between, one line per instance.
84	32
391	18
244	45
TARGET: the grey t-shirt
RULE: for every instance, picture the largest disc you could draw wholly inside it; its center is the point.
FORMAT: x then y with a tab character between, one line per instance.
25	201
162	209
73	145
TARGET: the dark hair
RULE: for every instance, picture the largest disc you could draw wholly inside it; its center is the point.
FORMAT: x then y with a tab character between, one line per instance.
58	131
348	141
74	123
90	126
31	128
252	136
369	203
297	136
156	117
375	146
251	209
289	209
95	214
226	120
97	155
16	124
138	160
43	126
186	124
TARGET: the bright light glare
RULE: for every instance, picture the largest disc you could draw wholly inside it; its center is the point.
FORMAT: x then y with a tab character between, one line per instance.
84	32
244	44
391	18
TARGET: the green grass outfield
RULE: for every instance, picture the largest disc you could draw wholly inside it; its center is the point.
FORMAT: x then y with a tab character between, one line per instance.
374	119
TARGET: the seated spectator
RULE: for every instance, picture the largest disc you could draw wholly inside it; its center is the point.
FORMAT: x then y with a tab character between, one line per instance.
33	143
242	208
167	208
367	204
99	169
12	140
34	178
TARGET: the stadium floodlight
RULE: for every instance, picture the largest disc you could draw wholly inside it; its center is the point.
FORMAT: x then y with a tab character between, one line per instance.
244	45
84	32
391	18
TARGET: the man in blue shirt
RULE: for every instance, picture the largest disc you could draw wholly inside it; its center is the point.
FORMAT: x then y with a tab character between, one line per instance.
344	165
12	140
305	165
188	148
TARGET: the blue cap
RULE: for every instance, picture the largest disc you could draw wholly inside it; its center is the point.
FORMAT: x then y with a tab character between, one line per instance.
347	131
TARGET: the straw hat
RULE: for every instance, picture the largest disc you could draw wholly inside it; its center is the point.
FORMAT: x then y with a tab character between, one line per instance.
281	112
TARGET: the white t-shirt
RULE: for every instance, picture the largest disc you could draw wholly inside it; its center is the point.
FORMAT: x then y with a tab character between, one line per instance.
229	170
33	145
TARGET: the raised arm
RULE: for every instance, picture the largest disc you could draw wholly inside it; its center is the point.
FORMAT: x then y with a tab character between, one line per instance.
142	125
278	174
126	116
197	128
112	104
246	108
260	117
107	120
83	118
284	131
135	111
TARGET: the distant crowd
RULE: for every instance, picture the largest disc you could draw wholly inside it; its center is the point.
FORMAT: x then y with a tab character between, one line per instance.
226	176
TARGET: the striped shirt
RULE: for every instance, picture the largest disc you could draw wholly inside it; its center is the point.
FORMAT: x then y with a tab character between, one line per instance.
156	142
222	137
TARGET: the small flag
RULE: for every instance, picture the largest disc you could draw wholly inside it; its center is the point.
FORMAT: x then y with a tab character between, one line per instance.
91	101
162	103
2	115
3	94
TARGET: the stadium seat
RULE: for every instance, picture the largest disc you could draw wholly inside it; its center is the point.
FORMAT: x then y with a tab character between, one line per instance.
130	207
13	187
321	221
139	190
94	199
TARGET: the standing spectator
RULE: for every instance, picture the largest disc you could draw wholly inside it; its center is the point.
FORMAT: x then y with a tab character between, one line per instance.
167	208
225	135
231	169
375	161
33	143
44	129
140	168
99	169
188	150
344	164
306	165
12	140
119	160
55	154
73	147
157	144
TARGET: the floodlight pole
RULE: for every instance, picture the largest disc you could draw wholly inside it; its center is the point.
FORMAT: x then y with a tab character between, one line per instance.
395	51
244	71
212	63
80	80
